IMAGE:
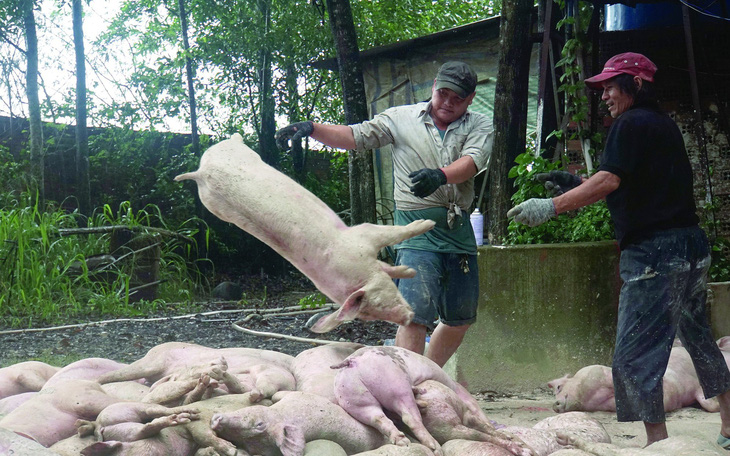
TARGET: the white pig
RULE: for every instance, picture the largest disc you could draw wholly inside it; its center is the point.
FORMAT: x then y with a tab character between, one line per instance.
294	419
24	377
375	379
312	370
238	187
673	446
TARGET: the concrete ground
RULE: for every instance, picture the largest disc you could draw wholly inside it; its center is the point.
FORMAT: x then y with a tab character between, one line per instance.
528	410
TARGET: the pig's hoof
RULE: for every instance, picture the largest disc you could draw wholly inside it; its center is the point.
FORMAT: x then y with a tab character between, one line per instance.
399	439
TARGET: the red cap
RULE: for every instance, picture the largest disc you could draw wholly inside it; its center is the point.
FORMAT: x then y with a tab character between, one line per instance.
626	63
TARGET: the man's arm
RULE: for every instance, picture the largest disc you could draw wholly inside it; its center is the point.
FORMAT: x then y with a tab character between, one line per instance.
536	211
339	136
594	189
460	171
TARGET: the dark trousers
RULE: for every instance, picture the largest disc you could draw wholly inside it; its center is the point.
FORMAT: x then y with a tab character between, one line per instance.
663	294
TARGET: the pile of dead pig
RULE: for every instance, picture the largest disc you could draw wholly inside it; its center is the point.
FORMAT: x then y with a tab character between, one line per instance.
339	399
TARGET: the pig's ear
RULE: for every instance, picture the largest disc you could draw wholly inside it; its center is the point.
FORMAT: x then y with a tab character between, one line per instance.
291	440
102	448
348	311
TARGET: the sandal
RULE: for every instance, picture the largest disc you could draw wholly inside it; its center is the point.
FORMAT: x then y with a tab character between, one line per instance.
724	442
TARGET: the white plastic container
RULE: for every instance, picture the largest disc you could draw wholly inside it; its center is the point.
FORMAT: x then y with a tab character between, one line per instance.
477	224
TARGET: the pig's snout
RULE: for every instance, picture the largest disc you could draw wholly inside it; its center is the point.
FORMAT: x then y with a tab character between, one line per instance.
560	405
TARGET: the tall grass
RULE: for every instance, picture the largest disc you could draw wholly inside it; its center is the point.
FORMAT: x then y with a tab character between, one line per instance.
44	277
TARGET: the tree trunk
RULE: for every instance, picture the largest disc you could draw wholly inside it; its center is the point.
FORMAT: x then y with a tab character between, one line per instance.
298	154
200	237
269	152
362	181
510	110
82	137
34	106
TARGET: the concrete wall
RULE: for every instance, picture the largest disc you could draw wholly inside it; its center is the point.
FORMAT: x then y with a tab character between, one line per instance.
546	310
718	303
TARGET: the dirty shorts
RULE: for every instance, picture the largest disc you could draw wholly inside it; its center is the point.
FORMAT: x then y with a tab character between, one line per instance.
663	294
446	287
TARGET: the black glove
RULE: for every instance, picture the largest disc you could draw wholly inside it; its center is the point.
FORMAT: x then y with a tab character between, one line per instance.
558	182
295	132
426	181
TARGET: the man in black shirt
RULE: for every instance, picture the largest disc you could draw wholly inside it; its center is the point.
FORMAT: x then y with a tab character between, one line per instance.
646	178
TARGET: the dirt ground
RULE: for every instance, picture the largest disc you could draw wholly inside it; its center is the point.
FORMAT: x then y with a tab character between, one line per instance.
526	411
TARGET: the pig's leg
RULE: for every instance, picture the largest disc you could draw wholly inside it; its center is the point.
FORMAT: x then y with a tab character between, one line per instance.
205	438
398	272
170	391
202	390
711	405
411	417
380	236
357	400
131	432
233	385
142	368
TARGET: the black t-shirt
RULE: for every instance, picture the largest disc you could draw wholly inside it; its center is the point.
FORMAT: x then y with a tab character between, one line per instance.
646	150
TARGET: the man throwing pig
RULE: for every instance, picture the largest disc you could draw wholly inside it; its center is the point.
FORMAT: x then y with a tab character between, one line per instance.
438	148
646	178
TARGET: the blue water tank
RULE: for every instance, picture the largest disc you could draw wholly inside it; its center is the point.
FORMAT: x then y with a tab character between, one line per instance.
663	14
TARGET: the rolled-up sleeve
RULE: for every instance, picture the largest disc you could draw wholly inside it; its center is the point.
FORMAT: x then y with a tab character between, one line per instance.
375	133
479	141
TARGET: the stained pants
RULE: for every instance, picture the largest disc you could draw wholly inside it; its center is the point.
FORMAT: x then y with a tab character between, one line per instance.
663	294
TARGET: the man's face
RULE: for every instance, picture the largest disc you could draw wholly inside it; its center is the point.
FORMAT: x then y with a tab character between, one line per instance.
616	99
447	106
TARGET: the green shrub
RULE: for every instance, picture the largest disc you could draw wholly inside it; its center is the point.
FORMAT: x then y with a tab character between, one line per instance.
591	223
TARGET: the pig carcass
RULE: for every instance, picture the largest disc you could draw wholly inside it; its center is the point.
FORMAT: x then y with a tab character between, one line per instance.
85	369
295	419
460	447
238	187
673	446
543	436
177	358
414	449
51	414
180	431
447	417
374	379
312	369
24	377
591	389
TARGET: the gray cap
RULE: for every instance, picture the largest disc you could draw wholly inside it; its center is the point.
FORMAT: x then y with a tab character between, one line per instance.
457	76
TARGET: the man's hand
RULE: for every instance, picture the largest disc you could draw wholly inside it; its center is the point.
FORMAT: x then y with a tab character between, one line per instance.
534	211
558	182
426	181
295	132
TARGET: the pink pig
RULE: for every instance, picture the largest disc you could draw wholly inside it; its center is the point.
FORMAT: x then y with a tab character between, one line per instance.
238	187
376	378
173	358
294	419
312	370
591	389
24	377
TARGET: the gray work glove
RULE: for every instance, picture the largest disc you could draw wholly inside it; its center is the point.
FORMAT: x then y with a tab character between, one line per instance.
558	182
425	181
295	132
534	211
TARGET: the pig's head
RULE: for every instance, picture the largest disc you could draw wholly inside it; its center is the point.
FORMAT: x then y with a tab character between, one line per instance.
590	389
378	299
242	424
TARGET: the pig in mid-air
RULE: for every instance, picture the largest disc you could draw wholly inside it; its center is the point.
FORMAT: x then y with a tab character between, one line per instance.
238	187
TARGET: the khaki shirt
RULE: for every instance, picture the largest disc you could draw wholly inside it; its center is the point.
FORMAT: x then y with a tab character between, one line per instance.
417	144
